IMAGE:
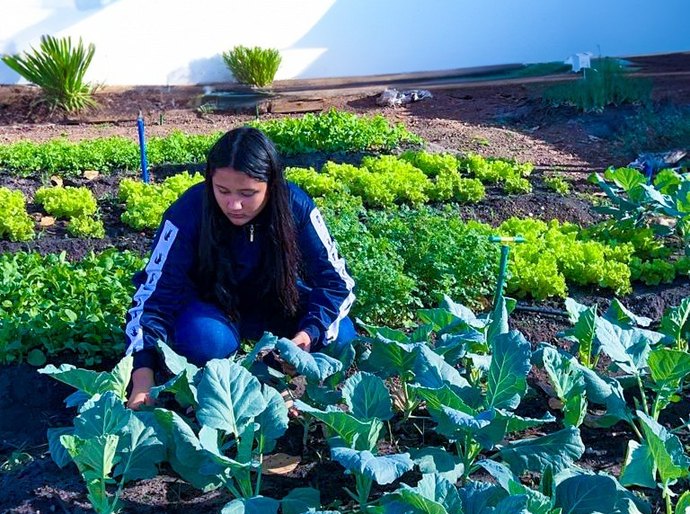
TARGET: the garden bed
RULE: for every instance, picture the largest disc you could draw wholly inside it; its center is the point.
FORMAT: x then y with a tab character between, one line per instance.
506	121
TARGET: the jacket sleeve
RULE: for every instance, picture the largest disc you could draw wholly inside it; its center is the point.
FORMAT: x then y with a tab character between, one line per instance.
164	286
332	288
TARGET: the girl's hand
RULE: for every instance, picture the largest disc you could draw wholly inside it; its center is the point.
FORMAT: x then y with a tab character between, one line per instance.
302	340
142	382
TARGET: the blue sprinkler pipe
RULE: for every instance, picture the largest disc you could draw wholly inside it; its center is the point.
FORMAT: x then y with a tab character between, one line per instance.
142	149
503	266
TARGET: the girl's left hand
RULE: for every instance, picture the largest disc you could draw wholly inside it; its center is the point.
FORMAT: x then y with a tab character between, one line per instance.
302	340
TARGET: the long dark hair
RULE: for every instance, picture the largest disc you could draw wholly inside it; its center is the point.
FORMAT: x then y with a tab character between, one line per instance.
249	151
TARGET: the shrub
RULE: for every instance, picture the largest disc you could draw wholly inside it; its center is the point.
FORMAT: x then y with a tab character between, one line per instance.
254	66
58	69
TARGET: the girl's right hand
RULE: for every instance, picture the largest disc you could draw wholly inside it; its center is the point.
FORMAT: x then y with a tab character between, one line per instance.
142	382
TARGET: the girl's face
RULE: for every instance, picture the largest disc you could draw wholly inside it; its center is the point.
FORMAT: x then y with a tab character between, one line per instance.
240	197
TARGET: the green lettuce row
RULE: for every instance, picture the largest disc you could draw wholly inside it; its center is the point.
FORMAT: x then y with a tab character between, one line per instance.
335	131
328	132
68	158
52	306
387	180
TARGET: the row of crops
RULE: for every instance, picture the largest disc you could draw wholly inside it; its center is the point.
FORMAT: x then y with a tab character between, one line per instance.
396	219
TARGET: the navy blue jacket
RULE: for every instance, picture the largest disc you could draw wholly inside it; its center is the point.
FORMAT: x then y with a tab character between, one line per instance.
168	281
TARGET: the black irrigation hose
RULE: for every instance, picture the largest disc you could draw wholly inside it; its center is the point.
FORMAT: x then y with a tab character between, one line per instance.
542	310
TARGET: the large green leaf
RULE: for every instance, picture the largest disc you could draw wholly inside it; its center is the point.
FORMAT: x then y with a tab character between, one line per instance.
316	367
666	449
94	382
300	500
480	497
95	458
456	424
674	323
536	502
638	466
141	451
177	363
57	451
568	383
585	494
185	392
254	505
515	423
619	315
433	495
559	450
603	390
383	469
185	453
440	490
628	347
444	396
626	178
433	459
683	504
512	505
267	343
102	415
510	365
360	435
431	370
389	358
367	397
582	332
273	421
669	366
229	397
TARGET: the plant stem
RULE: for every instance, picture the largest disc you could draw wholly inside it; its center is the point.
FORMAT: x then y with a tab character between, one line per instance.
667	498
644	397
363	490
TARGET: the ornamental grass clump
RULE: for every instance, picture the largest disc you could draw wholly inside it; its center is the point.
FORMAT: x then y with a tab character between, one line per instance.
58	68
606	83
255	66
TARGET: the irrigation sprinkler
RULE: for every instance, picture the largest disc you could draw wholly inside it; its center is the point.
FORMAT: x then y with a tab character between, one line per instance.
142	149
503	266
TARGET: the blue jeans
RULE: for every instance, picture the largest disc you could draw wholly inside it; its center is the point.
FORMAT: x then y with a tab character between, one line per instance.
203	332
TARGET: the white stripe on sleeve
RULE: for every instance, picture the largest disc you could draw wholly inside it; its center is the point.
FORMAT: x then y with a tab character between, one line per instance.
338	264
153	269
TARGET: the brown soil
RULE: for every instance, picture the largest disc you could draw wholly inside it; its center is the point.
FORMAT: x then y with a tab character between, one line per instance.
504	119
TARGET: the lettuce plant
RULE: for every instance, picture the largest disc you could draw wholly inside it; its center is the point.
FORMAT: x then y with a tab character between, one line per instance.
146	203
66	202
15	222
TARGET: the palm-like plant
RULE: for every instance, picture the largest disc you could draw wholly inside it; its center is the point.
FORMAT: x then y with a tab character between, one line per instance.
58	69
254	66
